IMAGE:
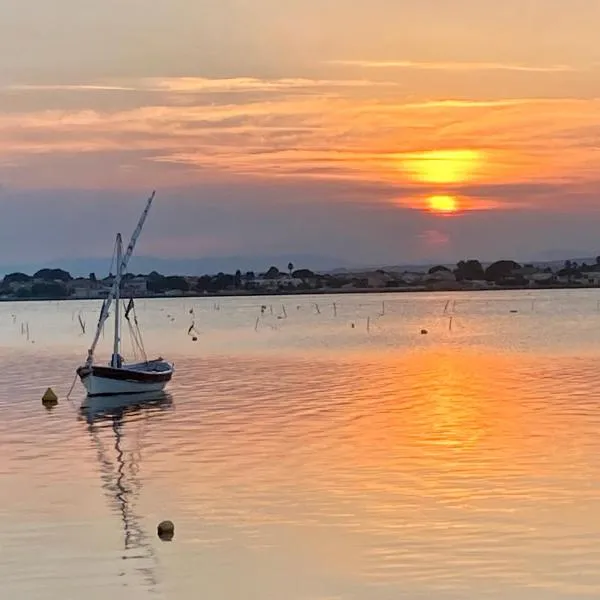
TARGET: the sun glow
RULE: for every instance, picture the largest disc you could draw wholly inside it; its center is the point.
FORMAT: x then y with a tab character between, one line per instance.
442	204
443	166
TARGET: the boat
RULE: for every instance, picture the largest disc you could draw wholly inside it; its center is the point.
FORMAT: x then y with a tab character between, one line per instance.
119	377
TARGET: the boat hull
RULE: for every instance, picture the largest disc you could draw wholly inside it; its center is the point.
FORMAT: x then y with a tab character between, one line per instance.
108	381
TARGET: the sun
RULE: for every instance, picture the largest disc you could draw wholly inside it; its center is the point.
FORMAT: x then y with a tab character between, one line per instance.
442	204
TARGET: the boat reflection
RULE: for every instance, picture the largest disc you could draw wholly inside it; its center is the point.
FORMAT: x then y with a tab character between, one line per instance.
123	420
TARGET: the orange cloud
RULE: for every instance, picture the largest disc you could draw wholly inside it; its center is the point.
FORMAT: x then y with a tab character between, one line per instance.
453	66
311	129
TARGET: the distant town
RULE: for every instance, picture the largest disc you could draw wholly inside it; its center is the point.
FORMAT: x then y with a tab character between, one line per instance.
56	284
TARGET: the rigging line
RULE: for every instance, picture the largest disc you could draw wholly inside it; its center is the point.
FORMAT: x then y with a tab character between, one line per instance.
71	391
139	333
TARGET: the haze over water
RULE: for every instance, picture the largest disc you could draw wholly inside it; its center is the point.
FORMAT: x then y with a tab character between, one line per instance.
308	459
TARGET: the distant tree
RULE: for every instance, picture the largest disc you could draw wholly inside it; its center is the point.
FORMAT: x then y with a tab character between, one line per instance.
303	274
16	278
469	270
49	289
501	269
437	269
92	277
222	281
155	276
250	276
237	280
272	273
204	283
598	260
53	275
176	282
290	268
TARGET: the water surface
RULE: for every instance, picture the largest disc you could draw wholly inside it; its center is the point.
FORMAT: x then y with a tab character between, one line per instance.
311	452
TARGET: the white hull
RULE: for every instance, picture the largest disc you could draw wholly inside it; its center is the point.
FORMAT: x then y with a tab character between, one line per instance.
150	376
101	386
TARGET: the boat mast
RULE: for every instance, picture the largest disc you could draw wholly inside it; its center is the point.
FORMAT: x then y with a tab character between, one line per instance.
116	357
122	267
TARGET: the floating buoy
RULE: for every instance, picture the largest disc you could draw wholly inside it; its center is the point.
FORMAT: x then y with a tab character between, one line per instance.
424	332
49	398
166	531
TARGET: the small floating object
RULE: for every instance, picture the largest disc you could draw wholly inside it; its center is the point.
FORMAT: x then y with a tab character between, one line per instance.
166	530
352	325
514	311
424	332
49	398
194	339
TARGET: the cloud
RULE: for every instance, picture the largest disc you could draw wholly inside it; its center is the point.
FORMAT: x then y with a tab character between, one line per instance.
304	130
453	66
198	85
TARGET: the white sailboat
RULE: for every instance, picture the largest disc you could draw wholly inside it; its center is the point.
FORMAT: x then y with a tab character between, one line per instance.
119	377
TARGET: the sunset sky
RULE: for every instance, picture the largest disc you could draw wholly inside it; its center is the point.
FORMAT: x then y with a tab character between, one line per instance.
379	131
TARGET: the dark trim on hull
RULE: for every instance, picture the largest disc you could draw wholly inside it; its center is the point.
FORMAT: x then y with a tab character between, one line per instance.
107	394
125	374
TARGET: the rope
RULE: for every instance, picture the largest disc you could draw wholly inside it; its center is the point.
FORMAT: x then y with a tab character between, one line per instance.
72	387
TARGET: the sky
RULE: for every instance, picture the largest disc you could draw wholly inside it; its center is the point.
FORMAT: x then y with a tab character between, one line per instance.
379	131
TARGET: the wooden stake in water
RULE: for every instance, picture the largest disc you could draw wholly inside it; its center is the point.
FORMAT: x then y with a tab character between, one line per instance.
334	310
368	323
317	308
284	311
446	307
256	324
450	324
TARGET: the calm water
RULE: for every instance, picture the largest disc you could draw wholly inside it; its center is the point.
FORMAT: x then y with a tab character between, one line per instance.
302	458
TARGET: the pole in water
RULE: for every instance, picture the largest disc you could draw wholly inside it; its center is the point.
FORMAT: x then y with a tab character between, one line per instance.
334	310
284	311
450	324
317	308
368	323
446	307
383	308
256	324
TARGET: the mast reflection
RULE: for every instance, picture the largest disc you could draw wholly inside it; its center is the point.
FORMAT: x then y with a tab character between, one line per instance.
120	465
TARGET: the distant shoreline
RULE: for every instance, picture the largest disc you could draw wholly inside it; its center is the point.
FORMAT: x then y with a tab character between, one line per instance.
323	292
